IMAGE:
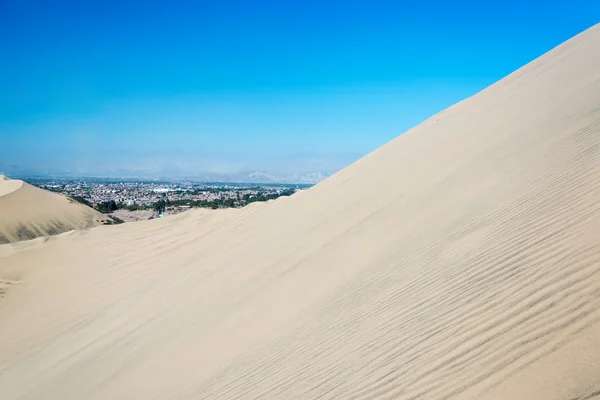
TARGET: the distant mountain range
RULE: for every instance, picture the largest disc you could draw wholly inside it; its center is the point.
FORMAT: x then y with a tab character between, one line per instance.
262	177
163	171
240	177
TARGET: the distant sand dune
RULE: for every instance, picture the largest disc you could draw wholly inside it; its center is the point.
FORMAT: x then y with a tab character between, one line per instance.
8	185
459	261
27	212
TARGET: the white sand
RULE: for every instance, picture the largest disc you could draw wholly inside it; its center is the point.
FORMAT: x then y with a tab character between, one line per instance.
460	261
27	212
9	185
133	216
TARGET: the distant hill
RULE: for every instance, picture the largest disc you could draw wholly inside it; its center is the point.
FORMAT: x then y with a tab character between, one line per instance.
262	177
27	212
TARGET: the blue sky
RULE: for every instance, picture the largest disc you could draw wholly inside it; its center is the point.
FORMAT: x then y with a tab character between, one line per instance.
179	88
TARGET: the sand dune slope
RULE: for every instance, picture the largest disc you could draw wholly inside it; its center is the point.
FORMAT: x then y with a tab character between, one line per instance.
27	212
460	261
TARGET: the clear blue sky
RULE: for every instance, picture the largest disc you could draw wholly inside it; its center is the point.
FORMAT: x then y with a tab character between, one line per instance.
123	87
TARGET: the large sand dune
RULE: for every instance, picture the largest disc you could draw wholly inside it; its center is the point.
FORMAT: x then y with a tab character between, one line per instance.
27	212
460	261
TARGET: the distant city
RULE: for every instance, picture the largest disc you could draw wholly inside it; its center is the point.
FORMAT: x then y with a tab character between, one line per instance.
135	199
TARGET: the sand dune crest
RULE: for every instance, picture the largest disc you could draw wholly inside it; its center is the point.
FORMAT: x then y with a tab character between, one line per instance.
8	185
27	212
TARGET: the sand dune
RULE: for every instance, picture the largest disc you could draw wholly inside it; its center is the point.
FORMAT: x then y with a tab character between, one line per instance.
459	261
27	212
9	185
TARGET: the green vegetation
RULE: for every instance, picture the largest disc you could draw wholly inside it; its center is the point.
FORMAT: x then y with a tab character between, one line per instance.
113	221
230	202
107	206
117	220
81	200
269	196
238	201
161	205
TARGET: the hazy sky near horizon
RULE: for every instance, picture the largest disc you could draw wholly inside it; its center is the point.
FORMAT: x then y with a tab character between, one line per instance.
178	88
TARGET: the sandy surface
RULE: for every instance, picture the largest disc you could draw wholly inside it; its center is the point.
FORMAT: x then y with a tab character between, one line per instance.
459	261
133	216
27	212
143	215
9	185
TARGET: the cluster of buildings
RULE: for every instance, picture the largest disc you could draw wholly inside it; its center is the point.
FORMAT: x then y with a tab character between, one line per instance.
147	193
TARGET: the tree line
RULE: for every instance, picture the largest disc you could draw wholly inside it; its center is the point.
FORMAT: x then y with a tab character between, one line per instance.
110	206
